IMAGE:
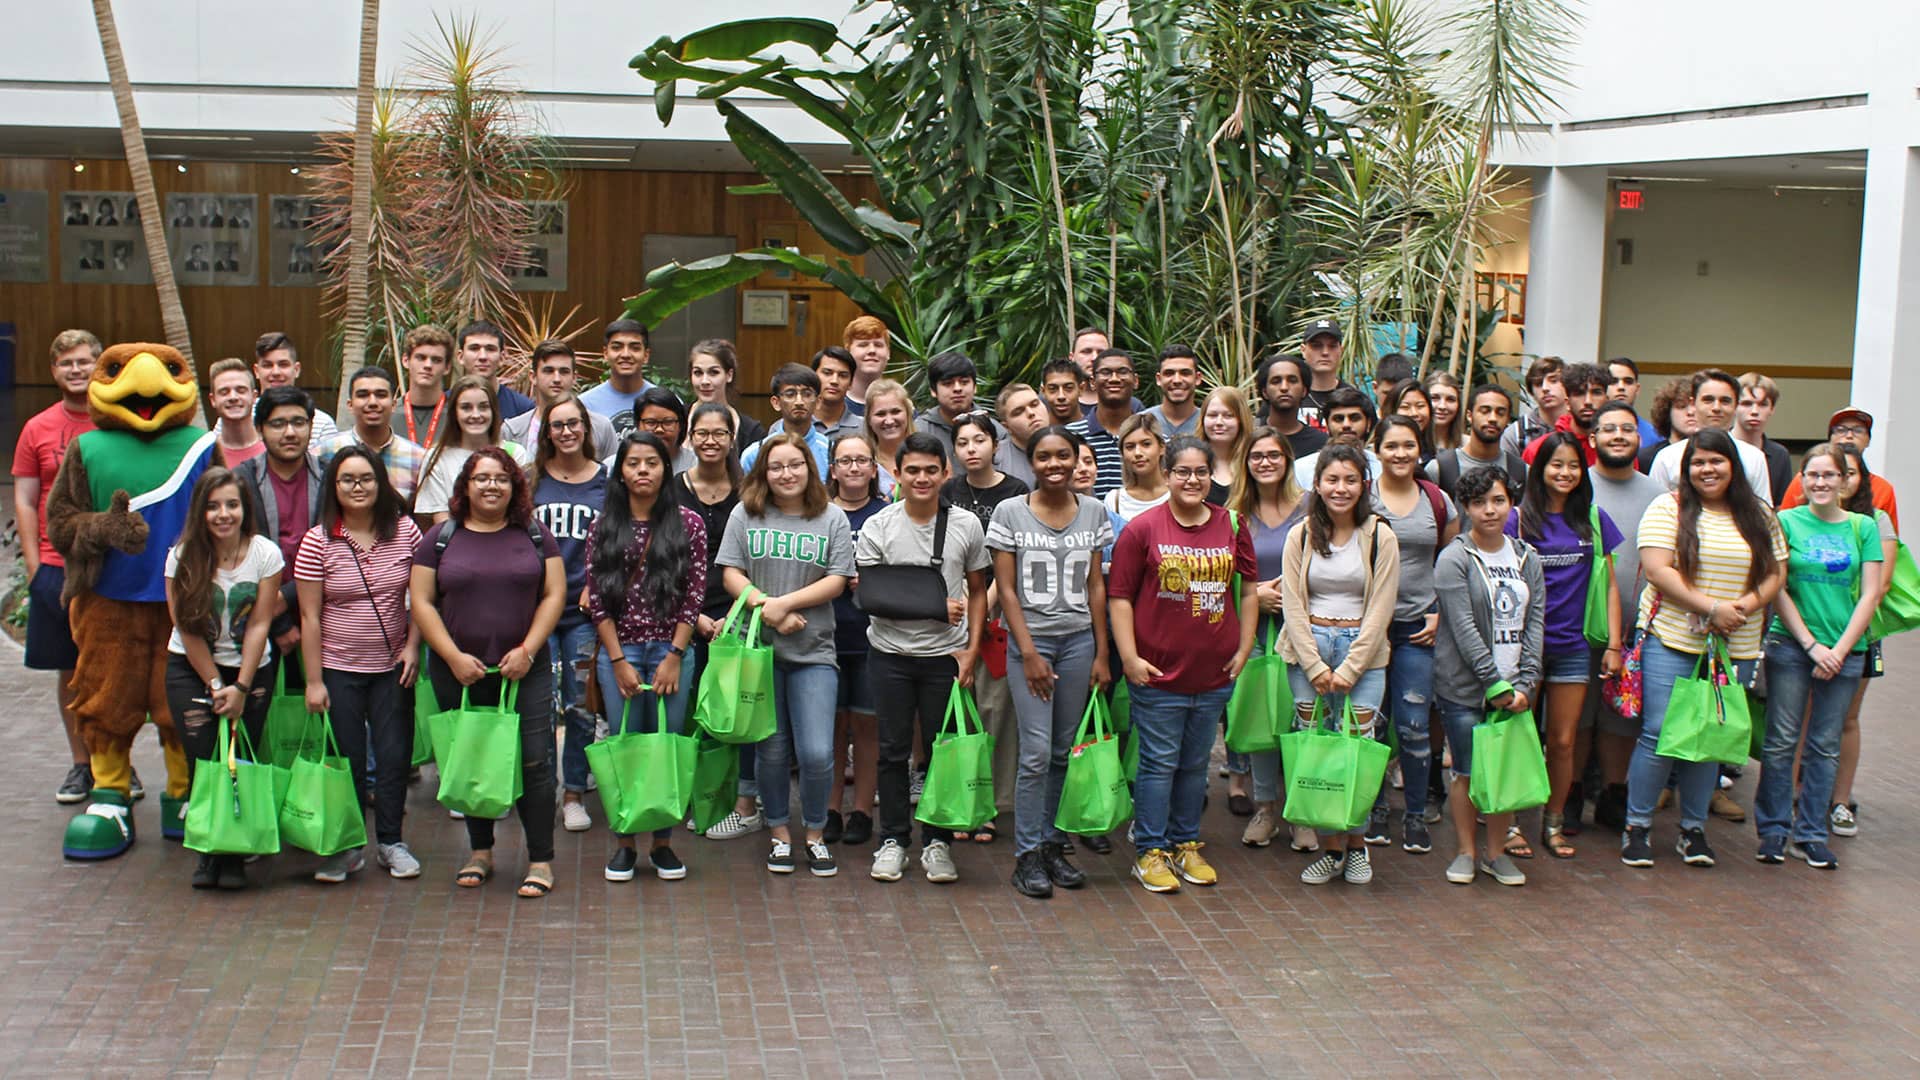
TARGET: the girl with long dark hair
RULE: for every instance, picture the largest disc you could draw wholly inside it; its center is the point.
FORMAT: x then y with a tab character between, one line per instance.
1267	499
1557	517
1714	558
358	644
646	578
852	480
1410	399
476	424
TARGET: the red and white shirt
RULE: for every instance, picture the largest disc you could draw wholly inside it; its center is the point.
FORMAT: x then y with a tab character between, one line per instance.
363	620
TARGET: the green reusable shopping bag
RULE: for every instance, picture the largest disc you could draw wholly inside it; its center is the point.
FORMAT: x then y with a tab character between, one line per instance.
230	809
1261	707
1121	707
478	750
1899	610
1094	798
424	706
645	777
1332	776
1599	585
281	738
321	811
734	702
959	789
1707	717
1509	768
716	782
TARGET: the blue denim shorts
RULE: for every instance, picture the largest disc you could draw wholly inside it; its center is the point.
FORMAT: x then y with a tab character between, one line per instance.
1460	720
1574	667
856	691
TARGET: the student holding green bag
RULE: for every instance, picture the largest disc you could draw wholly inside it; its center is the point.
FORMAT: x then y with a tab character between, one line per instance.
1860	492
646	579
1816	651
1265	496
360	648
1714	558
220	576
488	586
1493	604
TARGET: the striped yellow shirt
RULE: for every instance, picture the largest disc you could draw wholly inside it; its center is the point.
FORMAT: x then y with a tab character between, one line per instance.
1725	560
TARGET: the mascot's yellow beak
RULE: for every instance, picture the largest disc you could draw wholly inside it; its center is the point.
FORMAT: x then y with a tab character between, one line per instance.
142	392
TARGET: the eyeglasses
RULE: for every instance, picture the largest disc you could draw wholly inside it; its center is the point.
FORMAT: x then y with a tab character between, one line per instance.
1186	474
660	424
1848	429
355	482
566	425
853	462
786	467
1266	457
492	480
710	436
1822	476
285	422
797	393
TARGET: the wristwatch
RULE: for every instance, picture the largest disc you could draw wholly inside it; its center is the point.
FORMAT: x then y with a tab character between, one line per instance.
677	650
216	685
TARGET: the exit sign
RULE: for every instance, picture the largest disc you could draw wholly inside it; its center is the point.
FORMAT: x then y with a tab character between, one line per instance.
1632	199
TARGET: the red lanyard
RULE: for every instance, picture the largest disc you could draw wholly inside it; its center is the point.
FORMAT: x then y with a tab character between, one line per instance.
433	422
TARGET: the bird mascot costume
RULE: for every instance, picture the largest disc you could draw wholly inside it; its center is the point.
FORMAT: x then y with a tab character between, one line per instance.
117	505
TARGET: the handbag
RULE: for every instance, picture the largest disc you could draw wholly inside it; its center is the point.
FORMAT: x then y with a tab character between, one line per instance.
283	736
478	750
424	706
1332	776
958	793
321	811
993	648
1625	691
1094	797
1261	707
645	777
1707	716
894	591
1599	585
1509	767
231	808
734	702
1899	610
716	782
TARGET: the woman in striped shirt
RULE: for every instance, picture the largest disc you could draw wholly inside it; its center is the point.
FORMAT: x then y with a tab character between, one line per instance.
1714	558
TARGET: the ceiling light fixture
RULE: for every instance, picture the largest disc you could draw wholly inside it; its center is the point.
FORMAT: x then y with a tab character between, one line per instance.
79	166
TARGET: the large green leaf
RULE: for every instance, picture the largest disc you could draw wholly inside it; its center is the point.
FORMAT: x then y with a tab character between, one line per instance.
807	188
675	285
743	39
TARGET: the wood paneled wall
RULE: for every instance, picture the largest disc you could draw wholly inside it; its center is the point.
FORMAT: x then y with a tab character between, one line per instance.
610	211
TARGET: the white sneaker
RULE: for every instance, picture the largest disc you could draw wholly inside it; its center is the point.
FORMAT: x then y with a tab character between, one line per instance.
335	869
574	816
736	825
398	860
937	860
1359	869
1321	870
890	862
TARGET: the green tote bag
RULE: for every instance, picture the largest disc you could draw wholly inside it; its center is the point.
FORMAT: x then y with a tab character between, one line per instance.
1707	716
1332	775
478	750
282	738
424	706
645	777
734	701
321	811
1599	586
716	781
959	790
1509	768
1899	610
1121	707
231	808
1261	708
1094	798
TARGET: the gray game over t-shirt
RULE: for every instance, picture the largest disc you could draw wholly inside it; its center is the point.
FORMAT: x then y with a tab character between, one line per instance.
892	537
1051	564
780	553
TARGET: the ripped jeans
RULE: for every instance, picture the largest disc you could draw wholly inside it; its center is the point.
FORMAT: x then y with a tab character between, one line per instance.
192	721
1333	643
1409	701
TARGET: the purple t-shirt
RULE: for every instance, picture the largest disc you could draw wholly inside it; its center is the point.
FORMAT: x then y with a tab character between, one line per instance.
1567	562
489	585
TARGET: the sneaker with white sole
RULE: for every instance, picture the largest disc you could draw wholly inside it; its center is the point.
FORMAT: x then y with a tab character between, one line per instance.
1460	870
1843	820
780	858
1322	870
1261	828
574	816
398	860
736	825
820	860
1814	854
335	868
915	785
666	865
937	860
1359	868
1501	869
890	862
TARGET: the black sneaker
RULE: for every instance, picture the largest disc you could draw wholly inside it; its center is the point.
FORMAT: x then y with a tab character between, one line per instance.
780	859
834	828
1610	807
1058	869
1376	833
1693	848
621	864
820	860
230	871
135	789
1636	848
206	874
1418	841
666	864
1814	854
859	829
1030	876
74	788
1773	849
1099	845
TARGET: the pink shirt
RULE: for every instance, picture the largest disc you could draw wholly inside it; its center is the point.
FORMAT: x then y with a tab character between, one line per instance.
363	621
42	447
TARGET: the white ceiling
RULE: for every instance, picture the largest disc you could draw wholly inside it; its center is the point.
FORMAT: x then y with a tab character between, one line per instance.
1813	170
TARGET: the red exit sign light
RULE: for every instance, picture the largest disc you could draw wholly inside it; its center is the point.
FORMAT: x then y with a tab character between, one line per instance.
1632	199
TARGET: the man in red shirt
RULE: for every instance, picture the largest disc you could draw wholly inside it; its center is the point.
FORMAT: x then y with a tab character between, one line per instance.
1852	427
1585	386
36	460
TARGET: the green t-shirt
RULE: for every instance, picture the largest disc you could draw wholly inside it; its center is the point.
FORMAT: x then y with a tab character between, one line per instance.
1823	569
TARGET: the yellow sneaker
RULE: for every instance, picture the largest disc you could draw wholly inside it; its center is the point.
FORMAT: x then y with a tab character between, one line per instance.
1190	865
1155	870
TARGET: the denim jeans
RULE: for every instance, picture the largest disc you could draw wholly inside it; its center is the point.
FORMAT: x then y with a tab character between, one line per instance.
1176	740
1333	643
804	696
1647	774
1046	734
1459	721
1791	688
536	804
366	716
1409	700
642	711
903	687
566	649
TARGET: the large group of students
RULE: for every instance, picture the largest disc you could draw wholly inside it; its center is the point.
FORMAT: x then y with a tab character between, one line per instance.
1420	554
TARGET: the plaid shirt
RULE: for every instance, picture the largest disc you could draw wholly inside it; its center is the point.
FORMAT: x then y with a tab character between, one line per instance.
403	458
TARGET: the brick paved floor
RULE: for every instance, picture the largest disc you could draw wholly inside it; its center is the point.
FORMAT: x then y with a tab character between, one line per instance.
120	969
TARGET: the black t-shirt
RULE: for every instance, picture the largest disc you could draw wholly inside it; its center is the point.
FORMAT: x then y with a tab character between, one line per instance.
1308	440
714	516
1648	453
981	501
1313	406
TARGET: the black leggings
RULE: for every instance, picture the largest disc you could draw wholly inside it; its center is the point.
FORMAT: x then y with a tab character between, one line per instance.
194	721
535	705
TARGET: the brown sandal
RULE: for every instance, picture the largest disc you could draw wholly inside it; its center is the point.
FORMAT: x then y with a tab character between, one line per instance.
474	874
1553	836
534	885
1516	844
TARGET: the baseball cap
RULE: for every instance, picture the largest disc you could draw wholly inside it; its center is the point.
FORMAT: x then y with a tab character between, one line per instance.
1851	413
1322	326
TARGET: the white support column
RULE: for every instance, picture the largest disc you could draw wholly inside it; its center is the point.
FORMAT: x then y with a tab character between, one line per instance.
1886	332
1566	262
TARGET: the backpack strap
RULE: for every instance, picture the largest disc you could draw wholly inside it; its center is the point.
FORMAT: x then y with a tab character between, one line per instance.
1449	469
442	534
1436	501
940	532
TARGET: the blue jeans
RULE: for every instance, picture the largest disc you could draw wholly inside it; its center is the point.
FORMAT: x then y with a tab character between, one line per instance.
804	696
642	711
1459	721
565	649
1647	774
1333	643
1046	733
1176	740
1409	700
1791	687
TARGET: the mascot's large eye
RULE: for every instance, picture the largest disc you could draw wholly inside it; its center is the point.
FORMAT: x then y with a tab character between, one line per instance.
113	370
173	368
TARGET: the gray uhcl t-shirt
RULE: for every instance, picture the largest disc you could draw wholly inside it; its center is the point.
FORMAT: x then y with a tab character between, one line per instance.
892	537
780	553
1050	565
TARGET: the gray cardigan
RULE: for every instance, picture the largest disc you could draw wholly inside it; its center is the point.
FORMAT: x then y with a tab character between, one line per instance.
1463	667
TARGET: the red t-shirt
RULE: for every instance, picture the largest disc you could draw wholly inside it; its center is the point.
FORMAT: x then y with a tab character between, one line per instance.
1565	423
1180	580
43	446
291	507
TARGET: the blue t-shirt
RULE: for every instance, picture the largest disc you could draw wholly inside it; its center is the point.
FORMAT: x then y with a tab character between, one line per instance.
1567	563
849	622
617	407
567	512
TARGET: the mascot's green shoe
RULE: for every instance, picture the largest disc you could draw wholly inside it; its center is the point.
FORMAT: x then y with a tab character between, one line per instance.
173	817
104	831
